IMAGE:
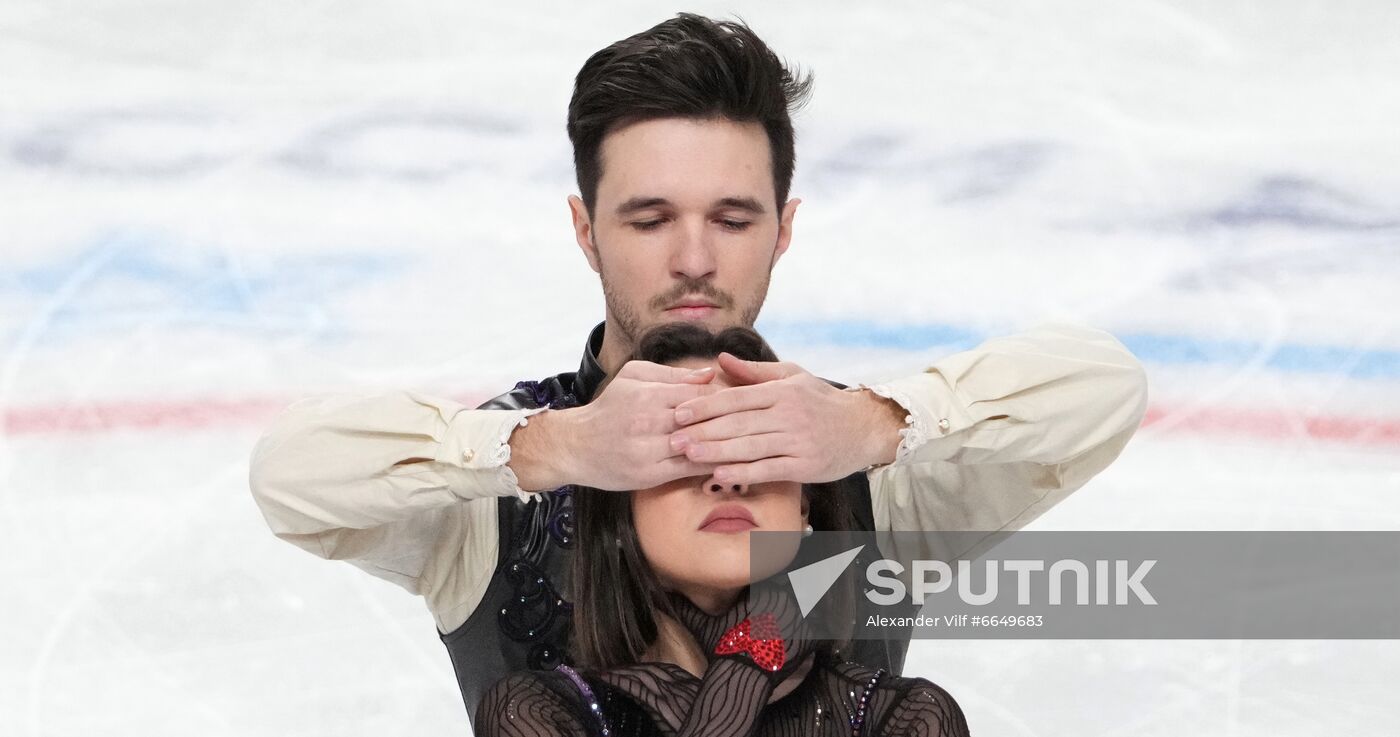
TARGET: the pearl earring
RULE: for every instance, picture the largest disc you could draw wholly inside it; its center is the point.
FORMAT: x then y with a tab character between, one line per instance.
807	531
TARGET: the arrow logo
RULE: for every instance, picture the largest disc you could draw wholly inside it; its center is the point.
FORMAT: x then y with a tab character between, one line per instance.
811	582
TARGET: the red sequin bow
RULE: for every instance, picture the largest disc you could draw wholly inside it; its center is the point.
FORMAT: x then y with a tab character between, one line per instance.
760	638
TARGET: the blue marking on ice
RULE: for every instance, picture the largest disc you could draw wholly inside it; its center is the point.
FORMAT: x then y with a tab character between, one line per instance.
129	278
1166	349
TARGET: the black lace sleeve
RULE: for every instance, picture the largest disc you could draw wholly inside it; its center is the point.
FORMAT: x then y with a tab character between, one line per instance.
730	700
727	702
925	710
532	704
663	700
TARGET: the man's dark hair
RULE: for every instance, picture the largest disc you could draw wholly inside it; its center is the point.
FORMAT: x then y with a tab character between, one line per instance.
687	67
616	594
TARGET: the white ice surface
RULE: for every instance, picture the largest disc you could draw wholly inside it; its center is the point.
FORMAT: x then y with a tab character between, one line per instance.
204	200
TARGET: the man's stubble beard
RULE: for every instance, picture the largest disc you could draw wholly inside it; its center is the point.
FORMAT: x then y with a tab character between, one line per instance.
628	320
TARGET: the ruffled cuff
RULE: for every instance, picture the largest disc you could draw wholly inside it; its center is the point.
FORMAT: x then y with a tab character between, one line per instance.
478	443
932	412
913	434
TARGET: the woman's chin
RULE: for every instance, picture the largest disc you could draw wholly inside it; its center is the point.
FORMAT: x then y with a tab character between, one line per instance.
715	563
721	581
718	581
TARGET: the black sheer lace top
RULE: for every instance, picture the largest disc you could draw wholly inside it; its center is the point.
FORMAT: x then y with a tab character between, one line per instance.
835	698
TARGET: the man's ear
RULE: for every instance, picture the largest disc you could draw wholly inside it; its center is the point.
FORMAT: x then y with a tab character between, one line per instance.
583	231
785	228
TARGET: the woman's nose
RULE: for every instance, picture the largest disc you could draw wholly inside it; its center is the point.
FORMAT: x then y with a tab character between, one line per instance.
716	487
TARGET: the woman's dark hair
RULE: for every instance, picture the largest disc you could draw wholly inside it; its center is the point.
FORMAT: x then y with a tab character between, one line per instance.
616	594
687	67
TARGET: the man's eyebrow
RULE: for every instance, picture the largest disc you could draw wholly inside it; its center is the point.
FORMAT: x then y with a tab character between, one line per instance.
742	203
641	203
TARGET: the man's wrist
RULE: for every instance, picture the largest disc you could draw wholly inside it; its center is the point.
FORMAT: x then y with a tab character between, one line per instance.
884	418
537	449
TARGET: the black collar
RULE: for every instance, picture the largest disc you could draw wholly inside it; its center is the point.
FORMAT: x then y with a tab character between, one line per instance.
590	373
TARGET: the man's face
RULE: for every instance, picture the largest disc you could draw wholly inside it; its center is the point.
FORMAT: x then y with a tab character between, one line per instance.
685	226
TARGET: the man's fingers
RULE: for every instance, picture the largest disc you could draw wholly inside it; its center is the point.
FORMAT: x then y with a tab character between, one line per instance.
755	372
759	472
667	467
678	394
678	467
725	401
740	450
648	371
724	427
652	414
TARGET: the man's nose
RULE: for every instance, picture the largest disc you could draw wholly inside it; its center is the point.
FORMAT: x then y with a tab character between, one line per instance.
693	257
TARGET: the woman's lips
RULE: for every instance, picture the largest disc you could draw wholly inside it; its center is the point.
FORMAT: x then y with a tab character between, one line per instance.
728	524
728	518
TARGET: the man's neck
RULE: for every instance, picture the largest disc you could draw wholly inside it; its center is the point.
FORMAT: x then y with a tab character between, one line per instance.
615	351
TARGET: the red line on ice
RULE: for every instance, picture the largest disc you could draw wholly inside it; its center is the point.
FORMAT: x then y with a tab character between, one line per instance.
1273	424
218	413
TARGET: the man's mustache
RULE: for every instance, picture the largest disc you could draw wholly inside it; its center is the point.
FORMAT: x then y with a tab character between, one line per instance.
692	288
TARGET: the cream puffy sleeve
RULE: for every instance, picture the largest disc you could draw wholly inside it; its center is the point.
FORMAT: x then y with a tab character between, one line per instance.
400	484
998	434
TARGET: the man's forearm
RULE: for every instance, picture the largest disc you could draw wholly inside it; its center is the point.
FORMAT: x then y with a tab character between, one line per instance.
1004	432
1045	396
402	484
